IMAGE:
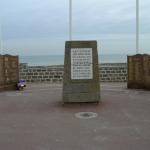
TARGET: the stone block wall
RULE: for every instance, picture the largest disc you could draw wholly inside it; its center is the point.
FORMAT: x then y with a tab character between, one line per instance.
109	72
113	72
9	72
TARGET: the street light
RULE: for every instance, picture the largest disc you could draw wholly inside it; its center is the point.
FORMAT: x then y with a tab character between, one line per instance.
137	26
70	20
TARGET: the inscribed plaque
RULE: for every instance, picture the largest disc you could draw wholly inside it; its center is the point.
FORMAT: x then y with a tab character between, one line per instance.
81	63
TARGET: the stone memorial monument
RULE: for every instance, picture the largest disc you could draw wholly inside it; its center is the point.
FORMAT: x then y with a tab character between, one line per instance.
81	72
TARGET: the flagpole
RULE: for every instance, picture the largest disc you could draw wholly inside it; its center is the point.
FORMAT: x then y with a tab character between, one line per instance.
137	26
1	47
70	20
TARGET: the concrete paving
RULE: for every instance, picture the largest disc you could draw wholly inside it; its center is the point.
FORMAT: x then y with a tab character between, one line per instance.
36	119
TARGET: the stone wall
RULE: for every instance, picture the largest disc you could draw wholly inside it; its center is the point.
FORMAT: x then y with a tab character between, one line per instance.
109	72
9	72
113	72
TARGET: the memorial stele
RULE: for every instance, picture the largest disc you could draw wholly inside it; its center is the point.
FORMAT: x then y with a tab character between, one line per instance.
81	72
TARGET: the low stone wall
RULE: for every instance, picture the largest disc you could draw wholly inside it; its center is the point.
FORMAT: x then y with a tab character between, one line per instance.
109	72
113	72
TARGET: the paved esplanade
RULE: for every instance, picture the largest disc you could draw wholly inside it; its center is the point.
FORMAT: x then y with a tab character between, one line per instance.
35	119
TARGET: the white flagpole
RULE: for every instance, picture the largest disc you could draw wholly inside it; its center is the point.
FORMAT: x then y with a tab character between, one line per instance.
1	47
137	26
70	20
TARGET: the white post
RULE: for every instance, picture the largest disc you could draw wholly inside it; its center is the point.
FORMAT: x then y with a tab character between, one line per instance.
1	47
70	20
137	26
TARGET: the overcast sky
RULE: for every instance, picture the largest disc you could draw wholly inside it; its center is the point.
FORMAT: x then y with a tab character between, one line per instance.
36	27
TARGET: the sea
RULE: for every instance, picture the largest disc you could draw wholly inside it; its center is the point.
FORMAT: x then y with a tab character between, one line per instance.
47	60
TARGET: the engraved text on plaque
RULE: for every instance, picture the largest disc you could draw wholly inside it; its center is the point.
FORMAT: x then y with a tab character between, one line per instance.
81	63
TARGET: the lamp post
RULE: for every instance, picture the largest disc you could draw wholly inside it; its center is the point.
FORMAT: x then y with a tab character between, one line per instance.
70	20
137	26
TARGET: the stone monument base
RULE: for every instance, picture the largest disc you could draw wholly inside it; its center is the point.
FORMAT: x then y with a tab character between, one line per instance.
81	72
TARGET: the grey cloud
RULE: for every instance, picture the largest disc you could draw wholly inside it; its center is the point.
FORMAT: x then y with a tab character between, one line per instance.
43	25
